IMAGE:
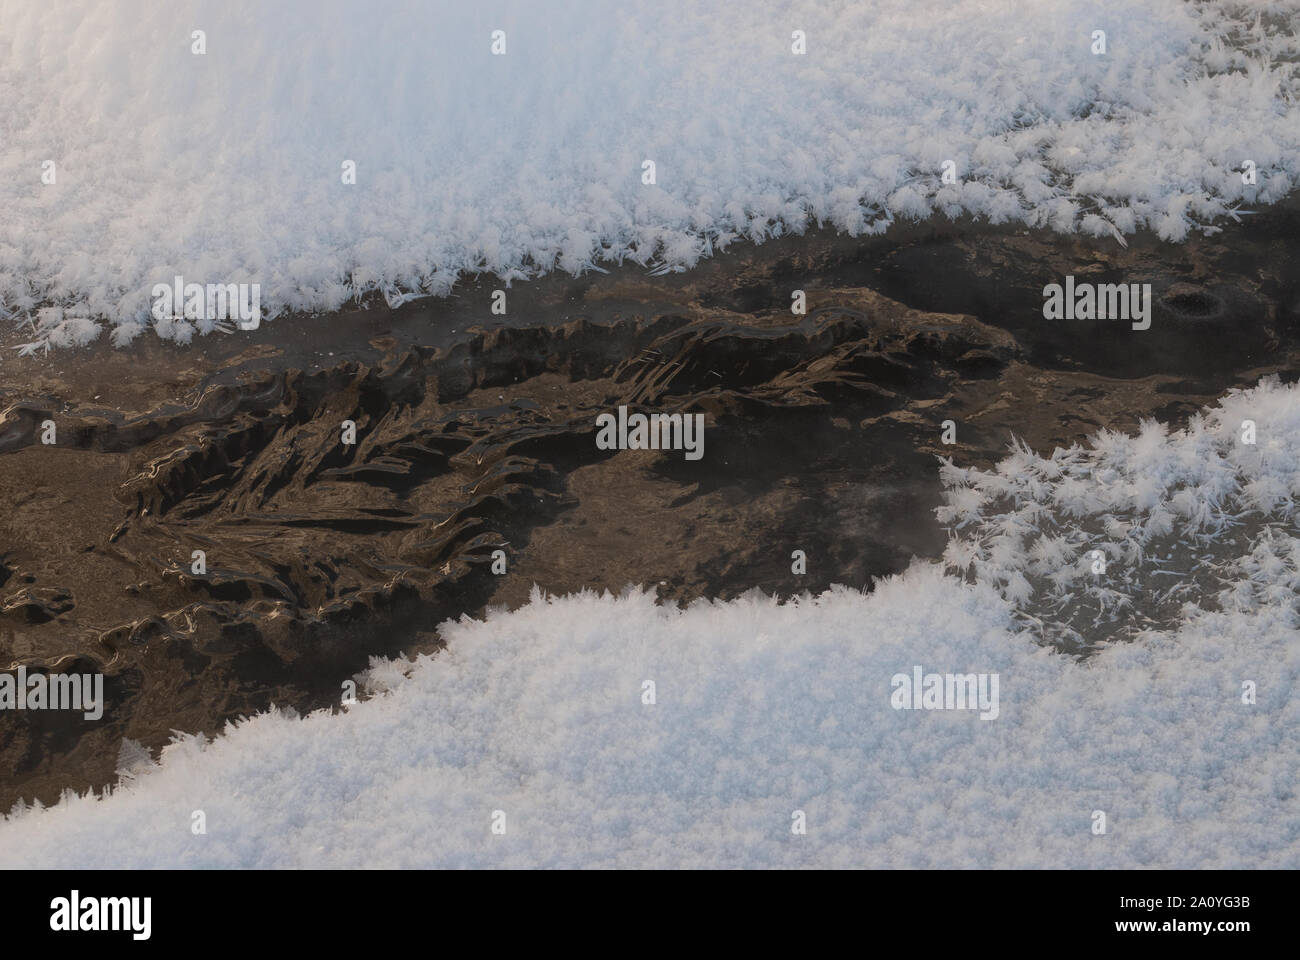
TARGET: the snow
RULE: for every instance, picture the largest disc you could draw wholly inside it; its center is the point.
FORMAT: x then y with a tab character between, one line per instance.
765	708
1201	519
226	167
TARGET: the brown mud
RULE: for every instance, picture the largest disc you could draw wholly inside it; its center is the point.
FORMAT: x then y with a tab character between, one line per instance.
477	433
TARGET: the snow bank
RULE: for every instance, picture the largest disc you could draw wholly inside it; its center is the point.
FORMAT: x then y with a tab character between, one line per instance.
226	167
764	709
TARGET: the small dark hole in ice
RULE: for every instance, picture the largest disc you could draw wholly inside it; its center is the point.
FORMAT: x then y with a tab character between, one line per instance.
1193	304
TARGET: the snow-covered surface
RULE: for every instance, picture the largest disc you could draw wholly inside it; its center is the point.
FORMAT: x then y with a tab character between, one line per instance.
763	709
1138	532
226	167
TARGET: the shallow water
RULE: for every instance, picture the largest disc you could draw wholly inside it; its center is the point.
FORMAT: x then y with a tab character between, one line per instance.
476	433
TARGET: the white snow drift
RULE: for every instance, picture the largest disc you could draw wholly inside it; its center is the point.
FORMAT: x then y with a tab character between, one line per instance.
537	719
228	165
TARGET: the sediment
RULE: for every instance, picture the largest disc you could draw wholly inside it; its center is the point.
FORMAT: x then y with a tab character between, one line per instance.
476	433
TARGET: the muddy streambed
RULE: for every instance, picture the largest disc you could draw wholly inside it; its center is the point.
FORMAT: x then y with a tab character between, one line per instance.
476	433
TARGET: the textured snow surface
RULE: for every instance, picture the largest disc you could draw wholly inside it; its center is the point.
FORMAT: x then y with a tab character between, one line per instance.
763	709
1140	532
226	167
